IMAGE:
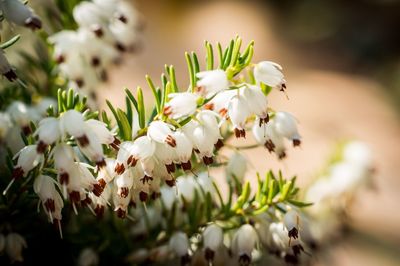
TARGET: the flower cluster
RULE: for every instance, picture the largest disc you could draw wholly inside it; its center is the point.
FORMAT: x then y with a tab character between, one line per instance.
107	28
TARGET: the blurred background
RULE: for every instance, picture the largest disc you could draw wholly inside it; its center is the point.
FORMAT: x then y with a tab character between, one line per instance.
342	63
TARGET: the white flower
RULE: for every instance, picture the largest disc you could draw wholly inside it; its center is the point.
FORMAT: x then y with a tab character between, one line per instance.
257	101
124	183
291	220
48	132
220	102
212	82
22	115
28	158
44	104
179	243
358	153
237	167
72	122
91	147
183	150
278	237
64	156
88	14
213	237
285	125
168	196
161	132
181	104
243	243
270	73
5	67
5	124
121	204
267	136
106	174
87	180
15	243
88	257
100	129
16	12
45	187
239	111
186	186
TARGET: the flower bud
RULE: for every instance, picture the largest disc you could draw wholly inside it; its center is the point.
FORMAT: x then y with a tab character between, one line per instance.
213	237
291	221
243	243
179	243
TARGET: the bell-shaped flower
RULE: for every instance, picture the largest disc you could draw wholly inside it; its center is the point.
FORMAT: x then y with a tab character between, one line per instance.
238	112
220	103
291	220
278	237
121	204
45	188
186	186
100	129
161	132
16	12
64	157
181	104
28	158
100	203
211	82
257	101
270	74
183	150
72	122
44	104
179	244
93	148
22	115
285	125
5	67
266	135
165	155
15	244
48	132
88	181
88	15
213	237
124	183
168	197
106	174
244	241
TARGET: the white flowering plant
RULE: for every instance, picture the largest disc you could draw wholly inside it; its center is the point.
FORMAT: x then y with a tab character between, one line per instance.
136	185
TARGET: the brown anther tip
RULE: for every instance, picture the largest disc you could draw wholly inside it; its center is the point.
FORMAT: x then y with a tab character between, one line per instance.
119	168
121	213
64	178
123	19
97	189
80	82
293	233
49	205
223	112
120	47
170	141
75	196
98	31
60	59
146	179
296	142
282	155
33	22
17	172
10	75
123	192
104	75
240	133
101	163
244	260
95	62
132	161
186	166
102	183
26	130
155	195
170	182
209	106
86	201
269	145
219	144
99	211
208	160
209	254
170	168
143	196
83	140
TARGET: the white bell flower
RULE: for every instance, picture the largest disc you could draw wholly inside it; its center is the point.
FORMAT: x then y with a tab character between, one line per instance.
161	132
181	104
165	154
291	220
213	237
186	186
20	114
256	101
106	174
124	183
28	158
16	12
88	14
278	237
179	243
244	241
183	150
72	122
100	203
45	188
15	244
48	132
220	102
211	82
168	197
44	103
270	74
266	135
238	112
100	129
286	125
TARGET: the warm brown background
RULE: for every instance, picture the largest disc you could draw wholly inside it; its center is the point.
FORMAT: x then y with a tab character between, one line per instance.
331	104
